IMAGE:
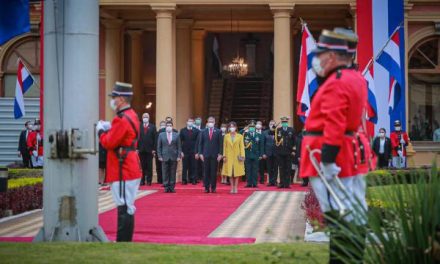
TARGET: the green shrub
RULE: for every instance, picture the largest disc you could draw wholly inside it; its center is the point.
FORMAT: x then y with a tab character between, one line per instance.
25	173
387	177
407	230
16	183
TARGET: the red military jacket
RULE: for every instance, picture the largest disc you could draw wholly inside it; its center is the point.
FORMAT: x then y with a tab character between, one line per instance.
395	142
366	159
335	117
32	142
122	133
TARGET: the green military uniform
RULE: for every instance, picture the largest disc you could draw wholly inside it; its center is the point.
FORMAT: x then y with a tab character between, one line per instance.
253	145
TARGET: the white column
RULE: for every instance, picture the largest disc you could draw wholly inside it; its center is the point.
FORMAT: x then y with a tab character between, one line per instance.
283	95
136	57
198	71
165	61
113	51
183	61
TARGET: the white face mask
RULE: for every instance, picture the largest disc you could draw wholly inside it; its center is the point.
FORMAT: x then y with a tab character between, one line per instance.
145	119
29	127
223	129
162	126
382	134
210	125
169	129
258	126
316	65
271	124
398	128
189	124
232	129
113	104
36	127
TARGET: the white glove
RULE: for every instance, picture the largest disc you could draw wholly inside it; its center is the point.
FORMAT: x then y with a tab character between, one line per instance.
35	153
107	125
330	170
100	126
400	153
402	141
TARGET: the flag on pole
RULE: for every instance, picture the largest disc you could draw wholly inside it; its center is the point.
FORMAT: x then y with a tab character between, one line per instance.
217	61
24	82
14	19
307	81
381	52
390	60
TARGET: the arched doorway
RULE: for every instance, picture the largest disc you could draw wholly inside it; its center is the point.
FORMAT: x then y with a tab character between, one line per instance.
28	50
424	90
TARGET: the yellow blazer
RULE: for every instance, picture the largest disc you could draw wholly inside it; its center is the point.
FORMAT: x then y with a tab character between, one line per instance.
231	150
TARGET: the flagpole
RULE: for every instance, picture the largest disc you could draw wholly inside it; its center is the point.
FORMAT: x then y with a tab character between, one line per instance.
374	58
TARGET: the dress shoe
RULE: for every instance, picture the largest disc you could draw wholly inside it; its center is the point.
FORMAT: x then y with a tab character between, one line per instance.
167	191
304	184
194	183
184	183
206	191
172	191
270	184
149	183
213	191
248	186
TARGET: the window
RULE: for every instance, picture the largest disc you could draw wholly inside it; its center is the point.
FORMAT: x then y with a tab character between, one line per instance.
424	90
28	50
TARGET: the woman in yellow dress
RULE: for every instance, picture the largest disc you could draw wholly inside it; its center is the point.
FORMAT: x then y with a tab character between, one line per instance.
233	156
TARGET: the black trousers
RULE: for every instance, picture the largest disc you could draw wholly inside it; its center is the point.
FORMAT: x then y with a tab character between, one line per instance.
261	170
382	161
189	168
159	171
210	173
285	163
26	157
251	169
272	169
169	168
147	167
199	170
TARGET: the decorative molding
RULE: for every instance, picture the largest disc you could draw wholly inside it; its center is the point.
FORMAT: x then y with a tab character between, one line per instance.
419	35
225	26
112	23
166	7
424	17
224	2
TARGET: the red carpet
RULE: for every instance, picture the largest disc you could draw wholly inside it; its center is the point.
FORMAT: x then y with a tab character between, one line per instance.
185	217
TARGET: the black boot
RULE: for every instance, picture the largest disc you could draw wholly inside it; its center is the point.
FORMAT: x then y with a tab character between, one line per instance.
125	225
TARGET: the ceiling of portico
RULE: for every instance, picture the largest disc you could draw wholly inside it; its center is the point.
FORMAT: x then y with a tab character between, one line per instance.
317	16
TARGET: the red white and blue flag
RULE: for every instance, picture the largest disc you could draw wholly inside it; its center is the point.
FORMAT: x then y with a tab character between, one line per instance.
390	60
377	21
307	81
24	82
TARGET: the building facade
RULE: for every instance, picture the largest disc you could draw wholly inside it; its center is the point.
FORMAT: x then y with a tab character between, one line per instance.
173	52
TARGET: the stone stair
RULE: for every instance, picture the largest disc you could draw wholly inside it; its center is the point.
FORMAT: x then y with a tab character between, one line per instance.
10	127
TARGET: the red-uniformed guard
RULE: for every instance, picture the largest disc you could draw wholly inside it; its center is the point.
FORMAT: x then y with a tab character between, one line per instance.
123	164
399	141
35	145
332	126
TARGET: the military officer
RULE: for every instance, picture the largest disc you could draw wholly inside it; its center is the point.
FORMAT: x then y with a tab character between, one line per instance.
35	145
262	163
284	138
399	141
254	150
336	112
123	164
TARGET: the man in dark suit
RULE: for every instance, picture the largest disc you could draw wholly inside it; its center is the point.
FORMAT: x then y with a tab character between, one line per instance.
382	148
269	155
22	145
169	150
261	162
188	137
210	153
199	163
147	148
284	137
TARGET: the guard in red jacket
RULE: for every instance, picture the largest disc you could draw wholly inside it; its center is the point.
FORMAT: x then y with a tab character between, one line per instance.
399	141
35	145
335	117
123	165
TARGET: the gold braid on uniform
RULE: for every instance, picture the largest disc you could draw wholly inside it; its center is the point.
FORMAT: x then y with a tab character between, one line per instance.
248	145
277	143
